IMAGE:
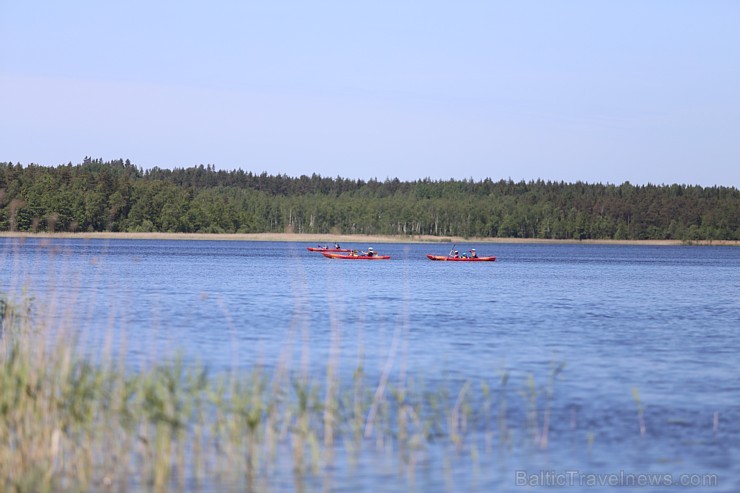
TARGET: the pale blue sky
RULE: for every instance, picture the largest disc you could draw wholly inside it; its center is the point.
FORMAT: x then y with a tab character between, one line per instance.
598	91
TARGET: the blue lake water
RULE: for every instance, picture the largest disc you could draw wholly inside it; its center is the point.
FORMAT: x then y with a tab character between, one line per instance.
662	320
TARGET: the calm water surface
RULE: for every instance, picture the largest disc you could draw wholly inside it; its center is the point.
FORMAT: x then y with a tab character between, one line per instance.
663	320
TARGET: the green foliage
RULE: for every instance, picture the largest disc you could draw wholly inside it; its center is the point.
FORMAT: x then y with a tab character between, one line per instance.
118	196
69	424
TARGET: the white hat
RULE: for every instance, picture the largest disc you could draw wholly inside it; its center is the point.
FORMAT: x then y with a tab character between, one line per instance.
370	249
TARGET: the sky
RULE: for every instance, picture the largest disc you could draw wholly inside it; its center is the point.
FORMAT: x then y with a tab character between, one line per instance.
645	91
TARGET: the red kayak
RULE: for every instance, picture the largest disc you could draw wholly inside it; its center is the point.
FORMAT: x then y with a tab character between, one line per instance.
325	249
461	259
355	257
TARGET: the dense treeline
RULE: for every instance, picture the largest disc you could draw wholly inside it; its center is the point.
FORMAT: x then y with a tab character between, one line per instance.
119	196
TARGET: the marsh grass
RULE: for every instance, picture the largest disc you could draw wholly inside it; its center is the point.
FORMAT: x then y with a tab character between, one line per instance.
69	424
640	410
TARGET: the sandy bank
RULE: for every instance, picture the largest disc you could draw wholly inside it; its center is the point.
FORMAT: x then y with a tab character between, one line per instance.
352	239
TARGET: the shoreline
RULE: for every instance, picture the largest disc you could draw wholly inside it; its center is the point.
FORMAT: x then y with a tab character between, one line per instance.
344	238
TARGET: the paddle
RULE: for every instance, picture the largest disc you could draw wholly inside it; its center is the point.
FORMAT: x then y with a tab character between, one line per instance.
453	249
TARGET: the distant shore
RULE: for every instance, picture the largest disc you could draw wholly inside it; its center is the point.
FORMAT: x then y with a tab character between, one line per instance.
352	239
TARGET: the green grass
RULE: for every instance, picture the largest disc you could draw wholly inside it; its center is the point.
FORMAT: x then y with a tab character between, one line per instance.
67	424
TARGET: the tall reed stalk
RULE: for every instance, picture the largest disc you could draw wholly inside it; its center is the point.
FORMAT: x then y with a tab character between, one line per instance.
68	424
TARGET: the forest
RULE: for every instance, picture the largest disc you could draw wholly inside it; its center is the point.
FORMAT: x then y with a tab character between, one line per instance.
96	196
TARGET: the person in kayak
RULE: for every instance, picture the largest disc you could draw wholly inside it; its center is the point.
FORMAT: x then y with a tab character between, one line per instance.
336	245
473	254
370	252
457	254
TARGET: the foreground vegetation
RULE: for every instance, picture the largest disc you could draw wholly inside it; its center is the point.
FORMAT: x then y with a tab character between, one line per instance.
70	424
118	196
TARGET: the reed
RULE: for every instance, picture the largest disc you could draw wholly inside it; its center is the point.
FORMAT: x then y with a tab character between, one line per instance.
69	424
640	410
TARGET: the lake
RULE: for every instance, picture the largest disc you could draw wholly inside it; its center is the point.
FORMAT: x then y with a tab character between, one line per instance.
659	322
